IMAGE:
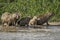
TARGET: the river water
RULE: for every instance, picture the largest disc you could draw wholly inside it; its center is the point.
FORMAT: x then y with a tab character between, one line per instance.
53	34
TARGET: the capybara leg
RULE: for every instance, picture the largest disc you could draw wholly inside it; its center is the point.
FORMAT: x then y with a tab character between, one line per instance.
13	23
16	24
47	23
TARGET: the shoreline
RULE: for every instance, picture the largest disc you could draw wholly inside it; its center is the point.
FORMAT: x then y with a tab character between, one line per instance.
33	28
54	23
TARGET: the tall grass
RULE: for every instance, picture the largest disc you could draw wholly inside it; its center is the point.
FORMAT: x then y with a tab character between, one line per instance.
31	7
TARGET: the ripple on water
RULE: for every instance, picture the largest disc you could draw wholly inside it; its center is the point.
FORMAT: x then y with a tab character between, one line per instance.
53	34
30	36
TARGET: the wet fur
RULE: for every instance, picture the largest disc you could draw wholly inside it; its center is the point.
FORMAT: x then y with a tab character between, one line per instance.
9	19
44	18
33	21
24	21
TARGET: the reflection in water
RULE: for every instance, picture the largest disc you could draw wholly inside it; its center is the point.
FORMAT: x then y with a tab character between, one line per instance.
54	27
53	34
31	36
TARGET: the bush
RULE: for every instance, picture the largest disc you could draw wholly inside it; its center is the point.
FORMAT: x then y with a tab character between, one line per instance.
32	7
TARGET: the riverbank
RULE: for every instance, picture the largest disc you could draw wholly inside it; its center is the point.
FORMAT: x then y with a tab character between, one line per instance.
31	28
54	23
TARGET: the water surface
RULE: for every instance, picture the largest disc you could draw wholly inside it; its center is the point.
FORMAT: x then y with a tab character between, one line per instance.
53	34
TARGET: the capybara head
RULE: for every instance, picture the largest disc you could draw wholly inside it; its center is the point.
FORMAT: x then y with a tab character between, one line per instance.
15	15
50	14
5	16
35	17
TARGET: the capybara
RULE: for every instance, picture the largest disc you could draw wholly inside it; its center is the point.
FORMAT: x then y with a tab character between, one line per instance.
24	21
33	21
5	18
44	18
15	18
9	19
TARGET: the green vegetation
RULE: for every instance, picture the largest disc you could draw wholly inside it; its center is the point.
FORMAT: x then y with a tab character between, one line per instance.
31	7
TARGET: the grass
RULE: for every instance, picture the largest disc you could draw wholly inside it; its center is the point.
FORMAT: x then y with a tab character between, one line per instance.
31	7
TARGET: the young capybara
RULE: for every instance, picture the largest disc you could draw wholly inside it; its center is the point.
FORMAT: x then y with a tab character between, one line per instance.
5	18
44	18
9	19
33	21
15	18
24	21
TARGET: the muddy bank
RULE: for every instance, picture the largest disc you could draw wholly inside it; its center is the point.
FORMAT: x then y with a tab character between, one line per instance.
53	25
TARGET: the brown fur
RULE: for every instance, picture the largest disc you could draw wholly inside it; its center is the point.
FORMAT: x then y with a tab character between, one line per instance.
44	18
6	18
15	18
33	21
9	19
24	21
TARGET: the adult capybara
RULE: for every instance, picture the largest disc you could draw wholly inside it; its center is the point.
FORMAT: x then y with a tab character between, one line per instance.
5	18
24	21
33	21
44	18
